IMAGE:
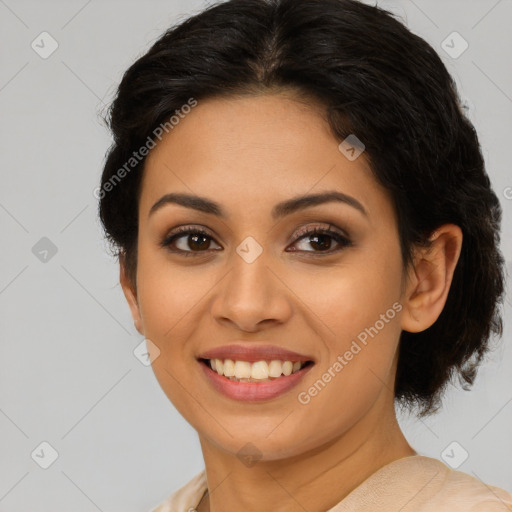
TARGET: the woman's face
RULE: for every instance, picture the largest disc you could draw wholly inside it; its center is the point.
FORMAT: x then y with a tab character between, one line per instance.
254	279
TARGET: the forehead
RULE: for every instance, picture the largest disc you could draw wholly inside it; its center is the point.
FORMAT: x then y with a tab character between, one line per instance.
252	151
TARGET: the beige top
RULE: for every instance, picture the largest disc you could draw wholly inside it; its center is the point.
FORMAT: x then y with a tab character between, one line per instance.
411	484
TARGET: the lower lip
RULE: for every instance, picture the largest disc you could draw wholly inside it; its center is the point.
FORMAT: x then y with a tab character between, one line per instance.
253	391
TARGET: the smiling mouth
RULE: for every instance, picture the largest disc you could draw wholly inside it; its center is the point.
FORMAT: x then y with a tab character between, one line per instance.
258	371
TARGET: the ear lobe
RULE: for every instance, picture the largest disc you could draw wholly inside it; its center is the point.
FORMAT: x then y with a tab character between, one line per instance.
130	294
430	280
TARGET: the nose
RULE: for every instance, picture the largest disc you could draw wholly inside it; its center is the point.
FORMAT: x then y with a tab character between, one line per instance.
252	296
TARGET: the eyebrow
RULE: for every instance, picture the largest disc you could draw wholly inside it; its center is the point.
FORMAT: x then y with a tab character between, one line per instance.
280	210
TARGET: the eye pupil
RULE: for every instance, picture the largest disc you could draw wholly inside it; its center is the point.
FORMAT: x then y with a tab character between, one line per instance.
326	239
195	237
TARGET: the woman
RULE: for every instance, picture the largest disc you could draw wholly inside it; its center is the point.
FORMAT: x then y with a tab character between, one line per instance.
307	236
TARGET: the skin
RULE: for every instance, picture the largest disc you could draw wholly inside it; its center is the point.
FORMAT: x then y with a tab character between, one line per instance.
249	153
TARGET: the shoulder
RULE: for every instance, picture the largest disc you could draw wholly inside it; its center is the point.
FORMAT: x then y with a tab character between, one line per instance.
423	484
449	489
186	497
470	494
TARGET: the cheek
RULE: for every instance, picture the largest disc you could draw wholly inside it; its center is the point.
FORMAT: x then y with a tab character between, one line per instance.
359	311
170	302
350	297
168	297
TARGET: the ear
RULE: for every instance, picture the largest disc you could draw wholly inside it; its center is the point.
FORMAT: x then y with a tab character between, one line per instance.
430	280
130	293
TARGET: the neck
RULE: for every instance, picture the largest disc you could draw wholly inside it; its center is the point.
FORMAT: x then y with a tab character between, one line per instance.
315	481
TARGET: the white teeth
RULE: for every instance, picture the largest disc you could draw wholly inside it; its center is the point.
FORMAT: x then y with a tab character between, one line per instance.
229	368
275	368
243	370
287	368
259	370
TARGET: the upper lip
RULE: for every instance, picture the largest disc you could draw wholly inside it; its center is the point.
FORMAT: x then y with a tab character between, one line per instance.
252	353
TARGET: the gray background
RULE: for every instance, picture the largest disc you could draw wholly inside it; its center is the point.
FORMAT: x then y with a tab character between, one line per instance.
68	375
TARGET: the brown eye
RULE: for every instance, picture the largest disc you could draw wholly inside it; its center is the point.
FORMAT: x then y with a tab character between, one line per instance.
321	239
195	241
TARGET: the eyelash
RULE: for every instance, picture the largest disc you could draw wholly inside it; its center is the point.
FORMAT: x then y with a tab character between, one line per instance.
342	240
